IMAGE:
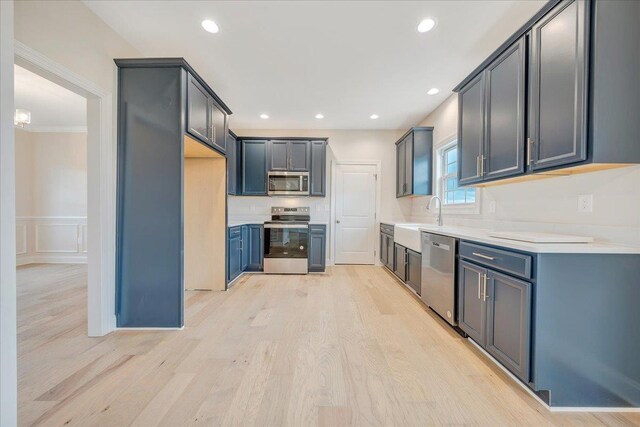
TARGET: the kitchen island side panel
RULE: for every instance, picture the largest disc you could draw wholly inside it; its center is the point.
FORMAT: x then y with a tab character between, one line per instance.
149	276
587	329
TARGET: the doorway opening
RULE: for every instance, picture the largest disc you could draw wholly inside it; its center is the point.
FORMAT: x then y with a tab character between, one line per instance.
97	244
355	193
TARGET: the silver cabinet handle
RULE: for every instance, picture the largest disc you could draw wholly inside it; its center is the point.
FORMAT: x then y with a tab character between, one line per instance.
478	166
479	286
530	151
214	133
484	288
482	164
483	256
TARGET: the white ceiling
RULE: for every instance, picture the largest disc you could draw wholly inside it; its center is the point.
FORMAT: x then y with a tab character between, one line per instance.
53	108
346	60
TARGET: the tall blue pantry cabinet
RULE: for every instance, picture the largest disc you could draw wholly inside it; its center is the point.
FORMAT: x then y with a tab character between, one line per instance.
159	102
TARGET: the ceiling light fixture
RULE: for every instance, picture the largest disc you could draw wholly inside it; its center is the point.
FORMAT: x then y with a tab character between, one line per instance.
373	116
210	26
433	91
264	116
426	24
21	117
319	116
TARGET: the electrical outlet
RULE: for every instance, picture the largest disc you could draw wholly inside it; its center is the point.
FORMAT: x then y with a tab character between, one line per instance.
585	203
492	206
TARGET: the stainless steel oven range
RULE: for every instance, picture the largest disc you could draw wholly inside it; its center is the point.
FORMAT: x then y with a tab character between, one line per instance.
286	241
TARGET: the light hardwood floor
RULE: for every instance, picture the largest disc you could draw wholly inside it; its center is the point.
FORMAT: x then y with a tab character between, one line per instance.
349	347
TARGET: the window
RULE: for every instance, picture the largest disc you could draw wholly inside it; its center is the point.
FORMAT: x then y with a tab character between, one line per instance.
448	188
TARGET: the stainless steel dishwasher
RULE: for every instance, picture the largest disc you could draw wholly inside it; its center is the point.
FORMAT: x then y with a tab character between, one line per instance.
438	275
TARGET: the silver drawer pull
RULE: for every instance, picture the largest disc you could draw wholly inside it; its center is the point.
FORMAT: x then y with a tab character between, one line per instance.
490	258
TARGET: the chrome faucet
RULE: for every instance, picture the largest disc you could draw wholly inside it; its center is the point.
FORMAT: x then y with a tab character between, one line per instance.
439	208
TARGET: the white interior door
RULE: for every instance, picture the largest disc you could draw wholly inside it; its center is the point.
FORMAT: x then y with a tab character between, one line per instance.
355	214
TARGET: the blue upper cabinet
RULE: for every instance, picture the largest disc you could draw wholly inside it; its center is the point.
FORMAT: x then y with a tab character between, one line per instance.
299	156
414	162
254	167
206	119
278	155
289	155
233	163
260	155
198	111
571	74
318	185
558	116
491	113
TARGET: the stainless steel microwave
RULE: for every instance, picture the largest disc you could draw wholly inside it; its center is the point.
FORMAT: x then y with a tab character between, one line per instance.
288	183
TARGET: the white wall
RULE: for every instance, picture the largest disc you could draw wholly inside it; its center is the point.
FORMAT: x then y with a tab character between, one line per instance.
343	145
8	342
51	197
548	204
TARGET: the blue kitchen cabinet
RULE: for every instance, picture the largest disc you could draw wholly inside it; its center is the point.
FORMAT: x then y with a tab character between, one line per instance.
471	307
509	322
317	247
160	101
245	253
233	163
278	155
254	167
494	306
576	109
245	248
206	120
235	253
318	172
299	156
255	247
294	155
414	162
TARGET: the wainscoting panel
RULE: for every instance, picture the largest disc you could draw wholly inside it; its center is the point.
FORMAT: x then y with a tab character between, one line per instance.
51	240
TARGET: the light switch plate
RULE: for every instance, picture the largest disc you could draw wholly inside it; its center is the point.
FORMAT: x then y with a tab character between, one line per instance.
585	203
492	206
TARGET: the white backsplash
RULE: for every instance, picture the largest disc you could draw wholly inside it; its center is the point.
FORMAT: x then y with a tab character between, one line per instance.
258	209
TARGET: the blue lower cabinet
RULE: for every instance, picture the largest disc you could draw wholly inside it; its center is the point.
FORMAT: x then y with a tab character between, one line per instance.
234	250
317	248
255	247
245	249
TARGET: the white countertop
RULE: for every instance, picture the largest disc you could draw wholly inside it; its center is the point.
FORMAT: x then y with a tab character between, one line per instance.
482	236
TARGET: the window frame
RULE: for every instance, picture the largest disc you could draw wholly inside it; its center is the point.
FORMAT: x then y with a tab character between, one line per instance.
441	176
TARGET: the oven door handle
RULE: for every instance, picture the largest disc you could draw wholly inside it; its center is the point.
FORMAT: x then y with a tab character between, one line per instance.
286	226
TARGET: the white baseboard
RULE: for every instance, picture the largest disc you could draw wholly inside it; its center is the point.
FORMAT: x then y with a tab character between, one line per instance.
51	259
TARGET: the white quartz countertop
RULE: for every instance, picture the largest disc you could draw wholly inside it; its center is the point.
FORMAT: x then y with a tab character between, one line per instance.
483	236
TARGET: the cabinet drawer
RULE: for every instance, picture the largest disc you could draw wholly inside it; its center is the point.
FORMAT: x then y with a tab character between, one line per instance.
386	228
317	228
507	261
235	231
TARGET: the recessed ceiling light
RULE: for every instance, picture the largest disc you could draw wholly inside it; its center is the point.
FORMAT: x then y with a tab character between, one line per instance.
426	24
433	91
319	116
210	26
373	116
264	116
